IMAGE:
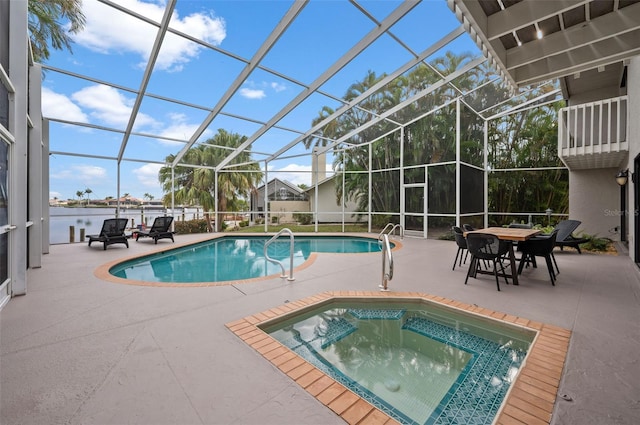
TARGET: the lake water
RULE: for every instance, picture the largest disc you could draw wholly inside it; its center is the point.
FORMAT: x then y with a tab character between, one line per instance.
91	219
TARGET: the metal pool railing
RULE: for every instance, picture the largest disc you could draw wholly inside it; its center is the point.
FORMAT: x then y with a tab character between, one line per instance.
387	274
273	260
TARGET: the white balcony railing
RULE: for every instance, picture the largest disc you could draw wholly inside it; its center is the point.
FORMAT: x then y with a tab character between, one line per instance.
594	135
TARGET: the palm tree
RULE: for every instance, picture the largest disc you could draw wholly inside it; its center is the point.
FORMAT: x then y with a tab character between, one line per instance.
196	185
88	192
45	25
148	196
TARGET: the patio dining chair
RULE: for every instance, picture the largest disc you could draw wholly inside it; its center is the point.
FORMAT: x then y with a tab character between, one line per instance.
468	227
461	241
540	246
484	246
112	232
160	229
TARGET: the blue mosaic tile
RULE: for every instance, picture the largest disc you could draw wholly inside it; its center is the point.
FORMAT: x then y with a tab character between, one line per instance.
336	329
383	313
478	393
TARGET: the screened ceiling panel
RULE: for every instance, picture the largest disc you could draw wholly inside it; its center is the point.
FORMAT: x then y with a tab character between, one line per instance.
84	140
261	96
306	58
311	108
214	72
283	82
155	149
276	72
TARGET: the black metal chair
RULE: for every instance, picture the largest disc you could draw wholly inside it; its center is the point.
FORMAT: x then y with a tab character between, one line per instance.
462	246
159	230
468	227
540	246
484	246
112	232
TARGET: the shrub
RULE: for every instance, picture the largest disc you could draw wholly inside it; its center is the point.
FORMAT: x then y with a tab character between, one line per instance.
303	218
379	221
191	226
595	243
244	223
448	236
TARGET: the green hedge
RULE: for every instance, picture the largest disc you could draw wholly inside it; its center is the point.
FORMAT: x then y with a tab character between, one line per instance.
303	218
191	226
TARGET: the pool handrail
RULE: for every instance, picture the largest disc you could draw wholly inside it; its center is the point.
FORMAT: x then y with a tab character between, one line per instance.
393	229
386	255
273	260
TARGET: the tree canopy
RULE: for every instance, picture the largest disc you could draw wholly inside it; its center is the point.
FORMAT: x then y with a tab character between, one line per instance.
51	23
522	140
195	185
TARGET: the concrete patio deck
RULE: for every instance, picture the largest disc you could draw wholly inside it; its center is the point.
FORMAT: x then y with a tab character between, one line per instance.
80	350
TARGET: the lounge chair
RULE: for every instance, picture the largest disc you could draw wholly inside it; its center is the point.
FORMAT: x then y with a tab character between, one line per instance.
564	238
112	232
160	229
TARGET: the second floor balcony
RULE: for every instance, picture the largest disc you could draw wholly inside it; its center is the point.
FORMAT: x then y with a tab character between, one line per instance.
594	135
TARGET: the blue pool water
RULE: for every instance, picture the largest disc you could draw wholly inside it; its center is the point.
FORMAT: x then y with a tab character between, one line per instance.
234	258
418	363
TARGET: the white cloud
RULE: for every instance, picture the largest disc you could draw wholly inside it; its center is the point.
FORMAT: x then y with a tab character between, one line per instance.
252	93
296	173
56	105
179	129
110	106
53	194
110	31
85	174
147	176
278	87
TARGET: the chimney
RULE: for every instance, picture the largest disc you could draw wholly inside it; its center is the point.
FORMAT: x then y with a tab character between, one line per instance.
318	166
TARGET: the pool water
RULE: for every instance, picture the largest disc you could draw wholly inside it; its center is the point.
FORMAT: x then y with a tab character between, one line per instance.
234	258
418	363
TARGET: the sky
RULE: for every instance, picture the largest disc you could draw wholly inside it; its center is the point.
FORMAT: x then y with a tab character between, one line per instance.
113	51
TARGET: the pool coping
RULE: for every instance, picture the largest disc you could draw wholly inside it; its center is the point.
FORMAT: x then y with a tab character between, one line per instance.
530	399
102	271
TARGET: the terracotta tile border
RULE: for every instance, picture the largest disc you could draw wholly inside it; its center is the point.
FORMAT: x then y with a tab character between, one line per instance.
530	399
102	271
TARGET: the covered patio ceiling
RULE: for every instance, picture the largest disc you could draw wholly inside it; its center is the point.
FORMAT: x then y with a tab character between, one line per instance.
393	33
534	41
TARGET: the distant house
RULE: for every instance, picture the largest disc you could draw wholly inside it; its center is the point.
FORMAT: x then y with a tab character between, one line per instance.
284	198
126	201
329	211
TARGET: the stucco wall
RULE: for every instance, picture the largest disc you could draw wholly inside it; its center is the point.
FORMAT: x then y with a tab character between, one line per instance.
328	210
594	196
284	209
595	200
633	92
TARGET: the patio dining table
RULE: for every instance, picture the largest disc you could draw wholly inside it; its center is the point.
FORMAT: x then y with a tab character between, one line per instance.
509	234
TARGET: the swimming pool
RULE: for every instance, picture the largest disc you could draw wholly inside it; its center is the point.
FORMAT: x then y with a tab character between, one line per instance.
234	258
418	363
